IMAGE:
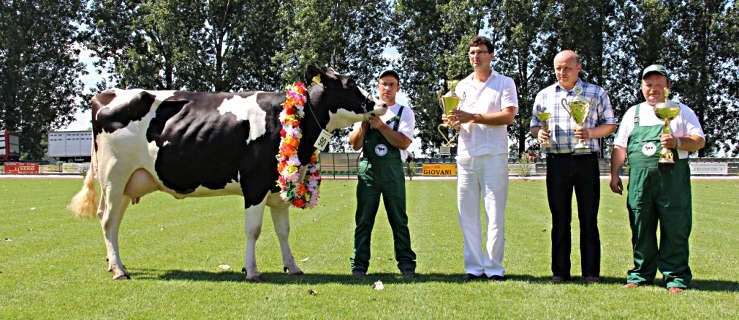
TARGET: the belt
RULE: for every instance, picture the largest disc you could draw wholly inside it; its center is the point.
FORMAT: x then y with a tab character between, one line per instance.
570	155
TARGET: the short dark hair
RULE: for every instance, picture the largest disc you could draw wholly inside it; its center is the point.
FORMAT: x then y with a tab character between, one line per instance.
480	41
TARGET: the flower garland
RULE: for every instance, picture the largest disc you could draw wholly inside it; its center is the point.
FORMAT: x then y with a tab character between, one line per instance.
296	187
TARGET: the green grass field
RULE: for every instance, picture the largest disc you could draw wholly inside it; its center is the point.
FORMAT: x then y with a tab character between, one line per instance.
52	264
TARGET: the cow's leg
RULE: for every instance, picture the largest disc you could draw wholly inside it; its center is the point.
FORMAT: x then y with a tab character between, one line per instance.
110	221
281	221
253	227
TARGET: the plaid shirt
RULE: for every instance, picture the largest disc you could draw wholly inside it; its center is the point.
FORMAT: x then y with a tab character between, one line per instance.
562	127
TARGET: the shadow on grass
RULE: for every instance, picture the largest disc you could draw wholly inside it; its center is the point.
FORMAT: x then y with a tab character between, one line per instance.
317	278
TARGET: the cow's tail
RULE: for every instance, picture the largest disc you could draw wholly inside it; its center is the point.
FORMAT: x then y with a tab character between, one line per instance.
85	203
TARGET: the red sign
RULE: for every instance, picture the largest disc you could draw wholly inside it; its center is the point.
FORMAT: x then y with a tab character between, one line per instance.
21	168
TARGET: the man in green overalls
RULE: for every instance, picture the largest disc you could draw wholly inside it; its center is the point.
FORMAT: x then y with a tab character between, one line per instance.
657	195
383	141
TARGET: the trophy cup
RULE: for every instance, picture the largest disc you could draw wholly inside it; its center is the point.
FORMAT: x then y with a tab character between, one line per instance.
448	102
578	107
667	111
544	118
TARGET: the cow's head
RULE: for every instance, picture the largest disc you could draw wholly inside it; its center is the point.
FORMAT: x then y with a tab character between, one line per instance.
340	98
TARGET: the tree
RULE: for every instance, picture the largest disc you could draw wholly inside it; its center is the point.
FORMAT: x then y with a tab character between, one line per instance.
193	45
705	71
523	55
39	69
432	39
348	36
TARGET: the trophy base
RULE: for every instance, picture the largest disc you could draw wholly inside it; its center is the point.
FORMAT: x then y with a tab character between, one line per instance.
445	150
666	159
665	165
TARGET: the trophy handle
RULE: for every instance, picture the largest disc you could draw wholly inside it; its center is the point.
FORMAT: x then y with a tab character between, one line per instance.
566	106
443	135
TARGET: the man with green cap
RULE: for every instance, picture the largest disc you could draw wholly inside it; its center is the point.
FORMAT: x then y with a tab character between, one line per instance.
383	141
657	195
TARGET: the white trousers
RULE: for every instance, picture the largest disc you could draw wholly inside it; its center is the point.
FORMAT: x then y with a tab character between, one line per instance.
485	176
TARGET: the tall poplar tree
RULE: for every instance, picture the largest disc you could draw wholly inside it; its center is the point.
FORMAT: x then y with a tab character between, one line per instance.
217	45
349	36
39	69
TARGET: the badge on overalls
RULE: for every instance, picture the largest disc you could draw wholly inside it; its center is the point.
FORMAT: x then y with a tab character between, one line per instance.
649	149
380	149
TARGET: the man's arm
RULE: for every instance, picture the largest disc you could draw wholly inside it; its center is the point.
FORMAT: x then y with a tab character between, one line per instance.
618	158
395	138
356	137
595	133
690	142
503	117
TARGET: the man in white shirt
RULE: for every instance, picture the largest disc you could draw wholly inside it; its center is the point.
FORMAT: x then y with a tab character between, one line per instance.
489	103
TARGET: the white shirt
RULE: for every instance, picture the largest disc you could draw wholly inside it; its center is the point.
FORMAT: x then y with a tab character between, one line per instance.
406	127
496	93
684	124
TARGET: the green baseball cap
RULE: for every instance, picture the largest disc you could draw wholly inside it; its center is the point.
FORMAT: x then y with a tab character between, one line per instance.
390	72
658	68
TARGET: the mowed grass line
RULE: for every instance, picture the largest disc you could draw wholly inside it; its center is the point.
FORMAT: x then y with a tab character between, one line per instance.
52	264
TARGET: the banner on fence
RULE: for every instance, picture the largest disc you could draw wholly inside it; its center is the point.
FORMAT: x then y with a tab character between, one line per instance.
21	168
719	168
439	169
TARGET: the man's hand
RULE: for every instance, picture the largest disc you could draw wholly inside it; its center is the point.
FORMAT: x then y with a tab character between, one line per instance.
376	123
543	135
582	133
616	185
452	120
668	141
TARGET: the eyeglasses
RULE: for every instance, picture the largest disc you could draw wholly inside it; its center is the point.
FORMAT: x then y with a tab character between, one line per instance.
477	53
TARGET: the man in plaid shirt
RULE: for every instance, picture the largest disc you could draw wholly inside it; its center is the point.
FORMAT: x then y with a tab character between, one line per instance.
567	170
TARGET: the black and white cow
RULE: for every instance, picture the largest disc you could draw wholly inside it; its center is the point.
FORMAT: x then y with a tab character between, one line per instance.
206	144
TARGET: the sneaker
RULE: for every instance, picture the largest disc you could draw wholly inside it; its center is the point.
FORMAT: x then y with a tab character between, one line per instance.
559	279
631	285
358	273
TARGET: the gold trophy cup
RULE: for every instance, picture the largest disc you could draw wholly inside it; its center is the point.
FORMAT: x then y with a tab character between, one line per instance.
544	118
578	107
667	111
448	102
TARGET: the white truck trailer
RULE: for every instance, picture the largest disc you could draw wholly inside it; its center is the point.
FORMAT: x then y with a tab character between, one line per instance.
70	146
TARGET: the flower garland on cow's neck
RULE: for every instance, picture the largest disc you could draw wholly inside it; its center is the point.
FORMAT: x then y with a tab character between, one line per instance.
298	187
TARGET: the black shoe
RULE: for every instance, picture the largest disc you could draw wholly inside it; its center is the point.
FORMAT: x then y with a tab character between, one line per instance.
408	273
470	277
560	279
496	277
358	273
592	279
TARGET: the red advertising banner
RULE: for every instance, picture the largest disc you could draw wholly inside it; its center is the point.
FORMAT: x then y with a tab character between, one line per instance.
21	168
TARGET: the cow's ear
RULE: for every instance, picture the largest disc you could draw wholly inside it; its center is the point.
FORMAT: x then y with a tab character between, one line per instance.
313	75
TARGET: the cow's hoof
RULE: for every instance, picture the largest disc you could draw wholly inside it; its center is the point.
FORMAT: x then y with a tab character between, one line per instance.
287	270
122	277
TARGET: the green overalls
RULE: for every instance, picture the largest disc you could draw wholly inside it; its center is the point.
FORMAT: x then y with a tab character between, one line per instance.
381	173
657	194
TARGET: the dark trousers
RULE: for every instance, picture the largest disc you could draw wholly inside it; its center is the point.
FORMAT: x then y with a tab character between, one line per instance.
566	172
